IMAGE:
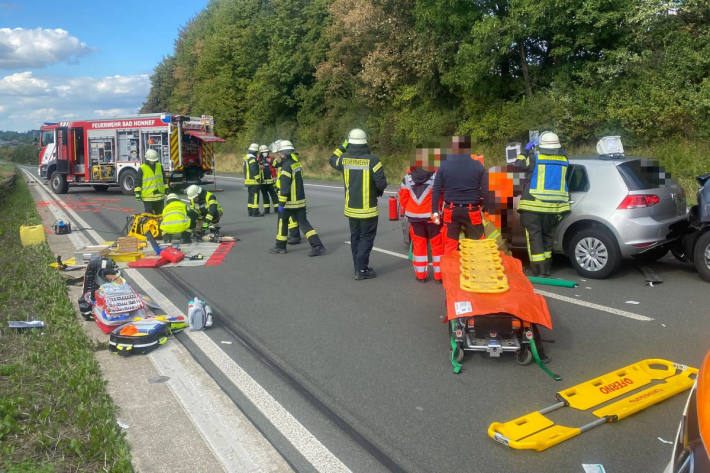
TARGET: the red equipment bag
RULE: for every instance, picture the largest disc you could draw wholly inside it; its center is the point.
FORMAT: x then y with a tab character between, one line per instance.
172	255
147	263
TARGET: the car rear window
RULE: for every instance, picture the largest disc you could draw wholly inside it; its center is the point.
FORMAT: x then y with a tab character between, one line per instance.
642	174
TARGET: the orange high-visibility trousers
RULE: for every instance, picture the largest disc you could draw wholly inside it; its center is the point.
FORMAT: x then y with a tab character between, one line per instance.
422	233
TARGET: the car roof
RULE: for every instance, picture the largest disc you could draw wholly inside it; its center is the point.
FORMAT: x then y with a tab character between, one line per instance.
597	161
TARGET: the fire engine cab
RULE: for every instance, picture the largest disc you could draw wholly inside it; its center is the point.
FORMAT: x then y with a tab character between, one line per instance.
108	152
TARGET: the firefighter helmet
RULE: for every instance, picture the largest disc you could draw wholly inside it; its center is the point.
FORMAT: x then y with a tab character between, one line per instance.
357	137
151	155
263	148
193	191
254	147
549	140
171	196
284	146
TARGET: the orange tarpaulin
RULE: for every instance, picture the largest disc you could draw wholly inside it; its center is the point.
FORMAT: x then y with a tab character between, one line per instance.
520	300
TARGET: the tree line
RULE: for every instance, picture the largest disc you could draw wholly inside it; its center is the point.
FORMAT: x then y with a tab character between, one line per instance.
410	71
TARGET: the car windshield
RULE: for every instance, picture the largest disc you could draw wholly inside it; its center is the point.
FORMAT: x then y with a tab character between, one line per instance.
642	174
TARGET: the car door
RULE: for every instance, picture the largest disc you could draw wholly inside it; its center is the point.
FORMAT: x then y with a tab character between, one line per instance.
578	187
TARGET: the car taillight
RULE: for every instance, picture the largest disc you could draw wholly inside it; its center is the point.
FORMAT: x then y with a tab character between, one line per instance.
639	201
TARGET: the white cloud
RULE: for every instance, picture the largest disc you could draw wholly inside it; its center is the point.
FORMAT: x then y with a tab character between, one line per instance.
29	100
24	48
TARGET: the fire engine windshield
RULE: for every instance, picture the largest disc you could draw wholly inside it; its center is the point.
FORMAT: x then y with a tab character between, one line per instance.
47	137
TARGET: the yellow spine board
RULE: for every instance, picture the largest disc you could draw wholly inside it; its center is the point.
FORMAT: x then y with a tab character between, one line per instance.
143	223
481	267
534	431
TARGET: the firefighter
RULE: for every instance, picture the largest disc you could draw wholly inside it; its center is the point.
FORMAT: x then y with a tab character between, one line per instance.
365	181
252	179
150	186
203	206
545	199
294	234
175	224
463	182
292	202
268	178
415	201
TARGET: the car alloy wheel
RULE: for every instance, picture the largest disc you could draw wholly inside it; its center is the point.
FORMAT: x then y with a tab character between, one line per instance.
591	254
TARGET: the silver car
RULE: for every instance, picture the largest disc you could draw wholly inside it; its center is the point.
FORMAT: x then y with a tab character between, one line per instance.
621	207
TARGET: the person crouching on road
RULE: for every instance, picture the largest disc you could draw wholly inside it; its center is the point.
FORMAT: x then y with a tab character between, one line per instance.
175	224
292	202
365	181
268	178
545	199
463	182
150	184
203	206
415	202
252	178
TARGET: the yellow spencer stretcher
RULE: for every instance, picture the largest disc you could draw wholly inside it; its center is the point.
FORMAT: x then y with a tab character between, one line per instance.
534	431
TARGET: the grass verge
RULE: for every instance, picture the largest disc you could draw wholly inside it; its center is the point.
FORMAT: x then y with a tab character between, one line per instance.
55	414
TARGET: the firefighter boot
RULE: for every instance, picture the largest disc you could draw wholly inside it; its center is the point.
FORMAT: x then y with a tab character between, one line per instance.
536	267
317	251
546	269
278	250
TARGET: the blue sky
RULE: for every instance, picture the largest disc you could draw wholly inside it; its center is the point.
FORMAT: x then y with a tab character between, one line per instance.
82	59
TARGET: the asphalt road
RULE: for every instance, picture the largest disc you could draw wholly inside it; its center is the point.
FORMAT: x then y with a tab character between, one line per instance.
364	365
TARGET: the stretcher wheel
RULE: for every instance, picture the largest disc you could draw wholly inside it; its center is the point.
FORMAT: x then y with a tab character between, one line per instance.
459	354
524	356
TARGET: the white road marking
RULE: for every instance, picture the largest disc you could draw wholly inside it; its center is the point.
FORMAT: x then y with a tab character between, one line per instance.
552	295
213	430
306	184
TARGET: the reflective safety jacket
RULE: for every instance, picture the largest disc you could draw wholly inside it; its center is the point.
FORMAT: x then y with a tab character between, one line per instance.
151	185
175	219
364	179
208	209
292	194
415	195
251	170
547	190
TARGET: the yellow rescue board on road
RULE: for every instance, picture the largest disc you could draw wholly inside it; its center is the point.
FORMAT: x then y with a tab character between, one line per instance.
534	431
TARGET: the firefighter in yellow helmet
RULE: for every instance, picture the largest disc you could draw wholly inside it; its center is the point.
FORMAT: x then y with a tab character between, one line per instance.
175	224
203	207
150	185
252	179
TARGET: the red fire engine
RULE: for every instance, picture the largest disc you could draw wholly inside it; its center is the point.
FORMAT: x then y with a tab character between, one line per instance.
108	152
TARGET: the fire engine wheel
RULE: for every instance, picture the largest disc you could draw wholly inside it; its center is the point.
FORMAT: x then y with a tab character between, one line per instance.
701	255
523	356
127	181
58	183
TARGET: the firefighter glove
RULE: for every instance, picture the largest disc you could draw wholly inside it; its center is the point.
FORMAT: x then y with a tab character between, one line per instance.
281	208
138	196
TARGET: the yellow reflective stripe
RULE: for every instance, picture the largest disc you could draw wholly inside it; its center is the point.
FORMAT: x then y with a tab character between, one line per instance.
292	223
377	167
311	233
286	173
537	257
295	203
544	207
540	184
346	178
365	190
563	180
337	152
279	231
495	234
548	254
282	198
357	213
544	157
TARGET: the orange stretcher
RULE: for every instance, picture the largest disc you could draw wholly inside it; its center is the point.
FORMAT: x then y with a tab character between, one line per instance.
491	322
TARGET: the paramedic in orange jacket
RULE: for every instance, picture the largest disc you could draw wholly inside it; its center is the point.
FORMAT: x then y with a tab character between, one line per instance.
415	201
